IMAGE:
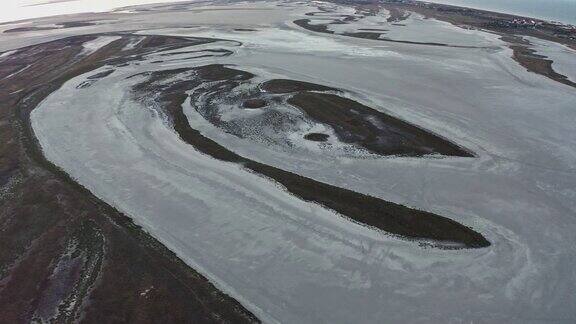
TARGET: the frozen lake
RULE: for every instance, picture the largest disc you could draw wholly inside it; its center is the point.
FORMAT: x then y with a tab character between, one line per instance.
292	261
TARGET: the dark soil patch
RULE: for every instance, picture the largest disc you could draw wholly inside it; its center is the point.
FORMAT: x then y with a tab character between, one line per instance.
317	137
75	24
254	103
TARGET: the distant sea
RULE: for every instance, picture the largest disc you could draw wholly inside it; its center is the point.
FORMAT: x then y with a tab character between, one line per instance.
557	10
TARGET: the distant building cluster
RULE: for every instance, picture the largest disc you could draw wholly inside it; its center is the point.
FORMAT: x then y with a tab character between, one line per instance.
493	20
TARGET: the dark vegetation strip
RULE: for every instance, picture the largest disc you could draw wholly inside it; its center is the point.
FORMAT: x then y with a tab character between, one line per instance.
223	51
282	86
71	24
320	28
376	131
390	217
28	29
373	29
100	75
539	64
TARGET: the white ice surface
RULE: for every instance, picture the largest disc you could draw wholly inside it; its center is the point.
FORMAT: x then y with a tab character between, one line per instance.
96	44
13	10
6	54
295	262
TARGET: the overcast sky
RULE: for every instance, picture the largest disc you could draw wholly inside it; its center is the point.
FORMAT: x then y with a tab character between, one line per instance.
12	10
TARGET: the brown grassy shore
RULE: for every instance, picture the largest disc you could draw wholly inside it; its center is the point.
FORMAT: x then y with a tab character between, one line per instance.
65	255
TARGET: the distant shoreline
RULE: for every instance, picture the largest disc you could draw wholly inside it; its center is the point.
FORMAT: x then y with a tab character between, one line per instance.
43	5
512	29
529	11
